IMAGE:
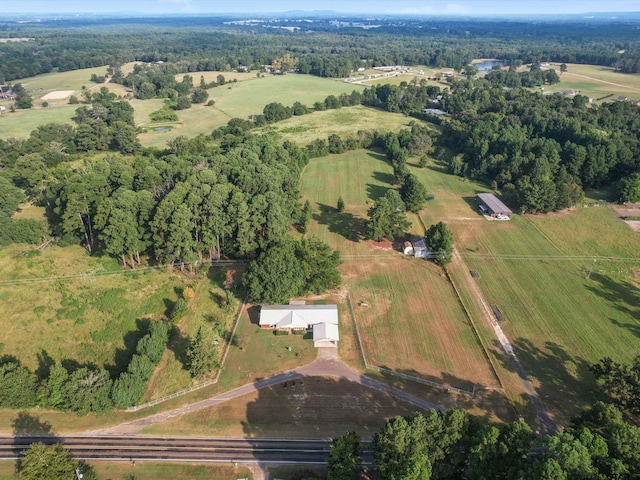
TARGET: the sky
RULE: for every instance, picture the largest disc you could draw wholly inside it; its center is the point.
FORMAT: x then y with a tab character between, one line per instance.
419	7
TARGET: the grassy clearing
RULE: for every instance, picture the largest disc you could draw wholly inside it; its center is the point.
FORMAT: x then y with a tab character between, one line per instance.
293	411
213	76
359	177
344	121
241	100
558	321
414	323
95	320
21	123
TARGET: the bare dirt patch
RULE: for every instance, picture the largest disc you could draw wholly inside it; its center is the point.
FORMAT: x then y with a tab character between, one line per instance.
58	95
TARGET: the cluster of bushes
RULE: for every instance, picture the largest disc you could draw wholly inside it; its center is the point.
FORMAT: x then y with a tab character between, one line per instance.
130	386
13	230
85	389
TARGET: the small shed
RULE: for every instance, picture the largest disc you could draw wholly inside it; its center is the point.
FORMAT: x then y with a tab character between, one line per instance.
420	249
492	206
325	335
407	248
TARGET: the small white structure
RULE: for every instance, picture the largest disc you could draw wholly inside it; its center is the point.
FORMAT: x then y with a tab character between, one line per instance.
433	111
325	335
416	248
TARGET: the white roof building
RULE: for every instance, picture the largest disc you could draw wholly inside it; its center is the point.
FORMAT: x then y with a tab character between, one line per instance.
325	335
297	316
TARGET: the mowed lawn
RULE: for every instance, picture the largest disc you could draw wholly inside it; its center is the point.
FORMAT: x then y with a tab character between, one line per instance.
559	321
241	100
21	123
414	322
346	122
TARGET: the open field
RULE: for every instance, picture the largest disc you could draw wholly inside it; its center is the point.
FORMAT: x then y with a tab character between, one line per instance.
87	320
240	100
596	81
293	410
558	321
345	121
21	123
414	323
213	76
149	471
359	177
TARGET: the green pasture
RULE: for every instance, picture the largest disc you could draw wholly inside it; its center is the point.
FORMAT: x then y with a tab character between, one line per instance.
241	99
21	123
596	81
558	320
360	177
345	121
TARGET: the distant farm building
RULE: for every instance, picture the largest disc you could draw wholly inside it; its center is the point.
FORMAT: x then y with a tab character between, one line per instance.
492	206
416	248
568	93
433	111
322	319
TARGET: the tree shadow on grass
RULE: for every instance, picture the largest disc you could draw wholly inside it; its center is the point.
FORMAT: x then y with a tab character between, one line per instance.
45	362
343	223
122	356
375	191
179	345
623	295
26	424
565	384
383	177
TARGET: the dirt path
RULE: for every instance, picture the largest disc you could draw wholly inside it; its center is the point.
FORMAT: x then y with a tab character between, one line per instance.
327	364
545	422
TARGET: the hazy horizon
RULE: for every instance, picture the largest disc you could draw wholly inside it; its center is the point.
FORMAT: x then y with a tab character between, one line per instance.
247	7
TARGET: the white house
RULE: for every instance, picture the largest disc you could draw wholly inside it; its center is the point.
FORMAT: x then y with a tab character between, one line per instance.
323	319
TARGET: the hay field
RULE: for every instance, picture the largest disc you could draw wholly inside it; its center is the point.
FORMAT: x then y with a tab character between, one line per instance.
558	321
414	323
345	121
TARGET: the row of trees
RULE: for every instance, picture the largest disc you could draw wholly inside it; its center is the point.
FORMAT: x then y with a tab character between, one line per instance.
598	444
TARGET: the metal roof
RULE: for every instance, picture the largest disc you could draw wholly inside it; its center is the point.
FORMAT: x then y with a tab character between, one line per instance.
325	331
298	316
494	203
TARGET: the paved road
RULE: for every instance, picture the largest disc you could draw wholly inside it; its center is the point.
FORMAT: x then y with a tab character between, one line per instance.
327	364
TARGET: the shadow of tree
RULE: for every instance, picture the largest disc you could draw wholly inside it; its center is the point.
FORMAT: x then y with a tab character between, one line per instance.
383	177
563	381
343	223
623	295
122	356
179	345
26	424
319	407
45	362
375	191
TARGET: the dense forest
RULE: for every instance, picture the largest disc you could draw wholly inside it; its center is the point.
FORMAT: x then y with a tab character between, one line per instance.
323	49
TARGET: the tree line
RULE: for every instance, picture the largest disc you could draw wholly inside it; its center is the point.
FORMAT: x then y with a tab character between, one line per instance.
322	49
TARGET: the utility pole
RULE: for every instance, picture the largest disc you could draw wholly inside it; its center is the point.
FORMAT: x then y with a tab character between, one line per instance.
591	269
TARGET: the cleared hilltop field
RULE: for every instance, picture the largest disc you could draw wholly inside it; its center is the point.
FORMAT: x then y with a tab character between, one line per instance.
241	99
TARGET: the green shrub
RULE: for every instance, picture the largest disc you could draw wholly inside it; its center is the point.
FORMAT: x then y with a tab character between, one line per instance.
179	309
165	114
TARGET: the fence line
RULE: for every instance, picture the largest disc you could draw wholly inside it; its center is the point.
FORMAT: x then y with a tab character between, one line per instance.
179	393
423	381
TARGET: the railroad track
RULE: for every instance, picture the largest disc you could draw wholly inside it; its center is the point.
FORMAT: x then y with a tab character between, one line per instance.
182	449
